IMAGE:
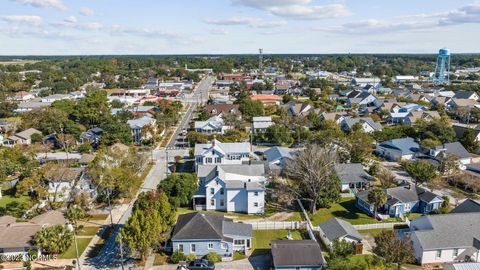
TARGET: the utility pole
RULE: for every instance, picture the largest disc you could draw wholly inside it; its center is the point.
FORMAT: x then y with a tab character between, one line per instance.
166	161
121	250
75	239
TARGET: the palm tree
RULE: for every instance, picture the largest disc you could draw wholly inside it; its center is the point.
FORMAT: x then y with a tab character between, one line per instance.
378	197
54	240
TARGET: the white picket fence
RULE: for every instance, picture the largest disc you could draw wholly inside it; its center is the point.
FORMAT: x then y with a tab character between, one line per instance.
388	225
276	225
309	223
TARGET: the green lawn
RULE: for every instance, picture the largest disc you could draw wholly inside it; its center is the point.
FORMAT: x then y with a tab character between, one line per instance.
373	232
235	216
346	210
262	238
87	231
368	261
7	198
97	217
70	252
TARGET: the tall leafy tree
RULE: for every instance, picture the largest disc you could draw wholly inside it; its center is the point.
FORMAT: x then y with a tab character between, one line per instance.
179	187
251	108
421	171
151	218
393	249
469	140
94	109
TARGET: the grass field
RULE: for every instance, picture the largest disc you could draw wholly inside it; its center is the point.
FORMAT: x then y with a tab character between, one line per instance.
373	232
87	231
70	252
7	197
346	210
235	216
262	238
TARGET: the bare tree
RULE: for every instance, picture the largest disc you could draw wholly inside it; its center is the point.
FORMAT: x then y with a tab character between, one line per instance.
313	176
386	178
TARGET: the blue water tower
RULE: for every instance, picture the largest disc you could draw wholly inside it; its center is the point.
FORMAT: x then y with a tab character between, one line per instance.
442	68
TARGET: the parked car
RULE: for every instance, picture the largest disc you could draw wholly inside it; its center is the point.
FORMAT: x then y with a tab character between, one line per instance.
201	265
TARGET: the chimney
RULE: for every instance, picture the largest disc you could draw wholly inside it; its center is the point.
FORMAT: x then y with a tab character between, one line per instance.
213	140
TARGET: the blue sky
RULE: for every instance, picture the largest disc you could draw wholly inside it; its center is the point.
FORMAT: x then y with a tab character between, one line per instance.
237	26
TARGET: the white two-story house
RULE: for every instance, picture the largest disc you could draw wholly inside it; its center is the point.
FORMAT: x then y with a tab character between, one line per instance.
231	188
216	153
439	239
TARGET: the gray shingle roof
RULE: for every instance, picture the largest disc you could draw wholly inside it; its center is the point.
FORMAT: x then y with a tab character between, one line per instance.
402	194
225	148
276	153
206	226
198	226
352	121
468	206
296	253
405	145
455	148
446	231
351	173
336	228
237	229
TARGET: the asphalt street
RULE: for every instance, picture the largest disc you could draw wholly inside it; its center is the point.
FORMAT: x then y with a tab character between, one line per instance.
109	256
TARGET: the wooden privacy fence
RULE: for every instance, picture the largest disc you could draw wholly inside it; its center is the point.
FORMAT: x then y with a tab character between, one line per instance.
276	225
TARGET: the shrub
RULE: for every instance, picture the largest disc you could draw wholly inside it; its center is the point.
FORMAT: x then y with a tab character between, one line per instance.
213	257
190	257
178	256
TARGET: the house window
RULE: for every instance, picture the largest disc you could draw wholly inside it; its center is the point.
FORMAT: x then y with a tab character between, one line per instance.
180	247
210	245
224	246
212	191
222	203
255	204
255	194
193	248
407	206
455	252
208	160
222	191
199	159
239	242
212	202
218	160
438	254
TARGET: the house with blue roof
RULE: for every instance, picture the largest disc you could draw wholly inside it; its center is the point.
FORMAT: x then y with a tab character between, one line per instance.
398	149
401	200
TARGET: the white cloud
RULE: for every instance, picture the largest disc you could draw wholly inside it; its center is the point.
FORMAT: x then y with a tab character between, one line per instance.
218	31
71	19
58	4
467	14
23	19
265	4
248	21
297	9
85	11
418	22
